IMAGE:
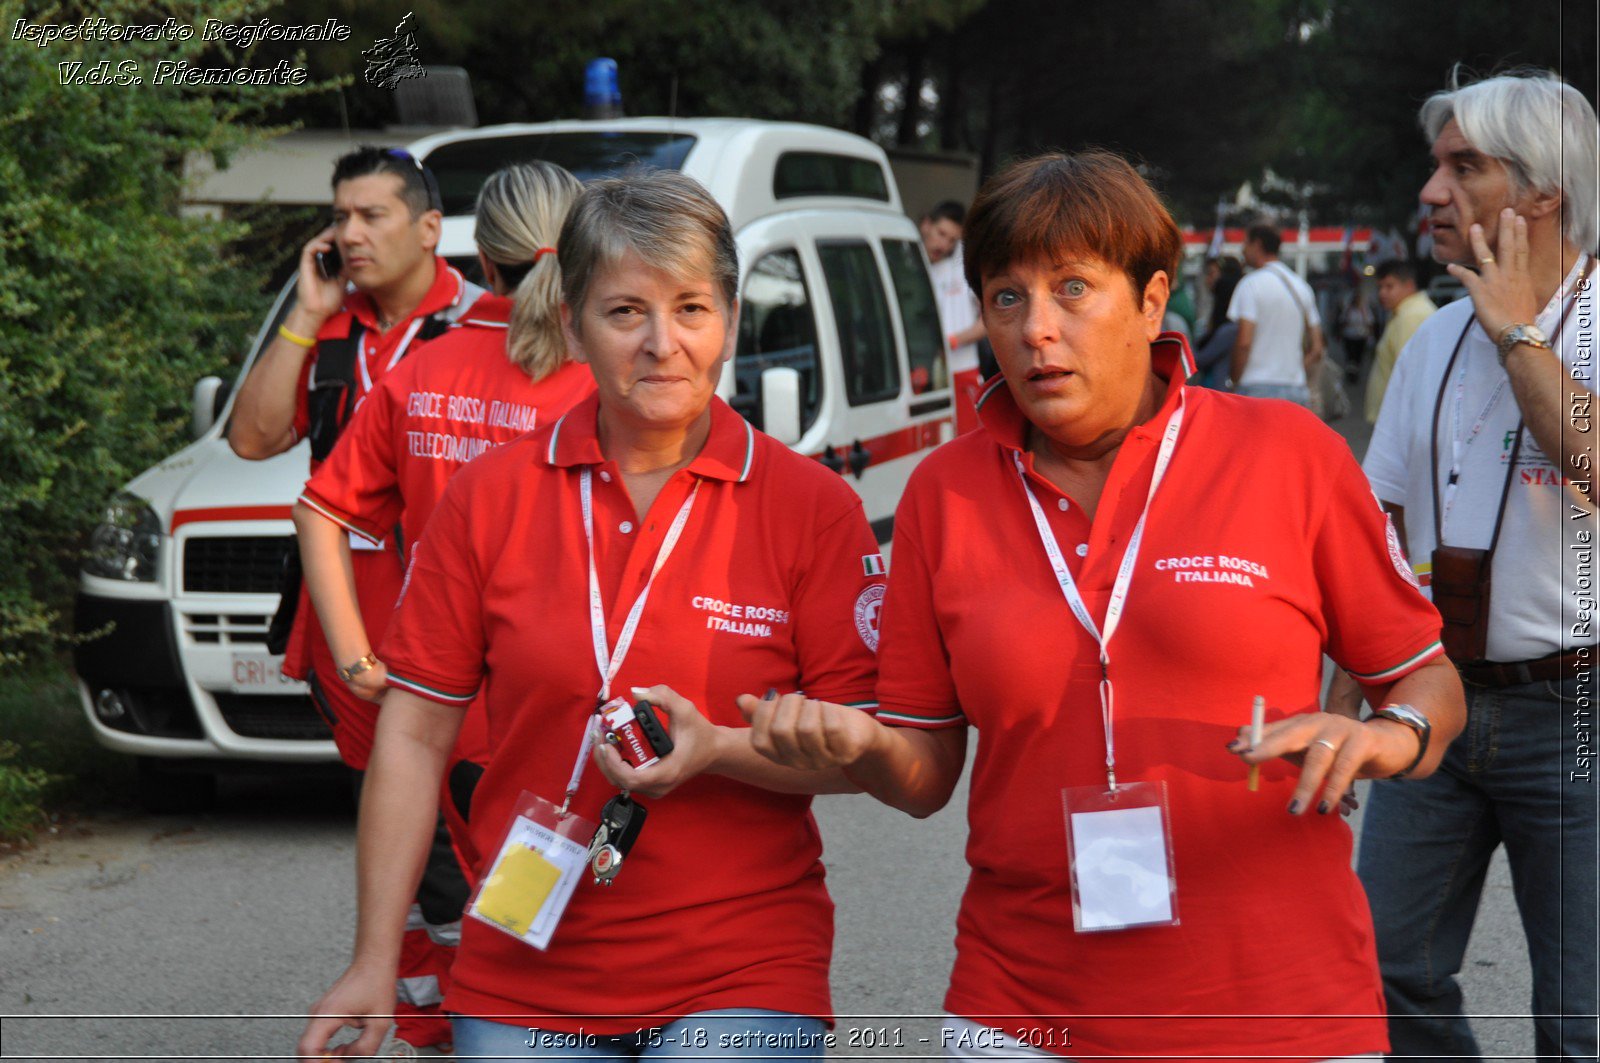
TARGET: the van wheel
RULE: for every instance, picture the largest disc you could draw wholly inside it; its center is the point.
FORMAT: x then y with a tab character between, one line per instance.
165	791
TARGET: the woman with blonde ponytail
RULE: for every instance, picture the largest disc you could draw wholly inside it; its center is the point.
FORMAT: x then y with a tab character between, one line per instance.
501	372
520	211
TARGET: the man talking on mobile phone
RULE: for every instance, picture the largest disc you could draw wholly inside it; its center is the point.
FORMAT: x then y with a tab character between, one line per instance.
371	291
1483	454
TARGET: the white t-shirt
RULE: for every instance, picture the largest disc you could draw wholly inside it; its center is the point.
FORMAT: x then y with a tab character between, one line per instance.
958	307
1542	594
1275	352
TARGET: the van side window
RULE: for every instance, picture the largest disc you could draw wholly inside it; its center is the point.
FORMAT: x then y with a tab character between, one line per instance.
861	311
776	328
919	316
820	173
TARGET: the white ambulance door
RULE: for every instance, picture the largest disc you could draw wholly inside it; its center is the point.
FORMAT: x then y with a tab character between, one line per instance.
877	435
778	328
834	295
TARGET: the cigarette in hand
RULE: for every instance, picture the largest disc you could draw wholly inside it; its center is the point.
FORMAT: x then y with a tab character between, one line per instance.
1258	719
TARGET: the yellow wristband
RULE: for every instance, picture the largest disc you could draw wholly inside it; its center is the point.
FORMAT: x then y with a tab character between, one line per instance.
297	340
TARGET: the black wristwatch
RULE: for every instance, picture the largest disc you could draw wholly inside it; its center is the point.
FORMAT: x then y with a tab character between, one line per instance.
1417	722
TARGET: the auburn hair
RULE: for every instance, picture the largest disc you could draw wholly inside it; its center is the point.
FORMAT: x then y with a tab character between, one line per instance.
1084	204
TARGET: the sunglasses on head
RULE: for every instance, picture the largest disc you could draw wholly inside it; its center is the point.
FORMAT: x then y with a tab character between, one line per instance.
435	200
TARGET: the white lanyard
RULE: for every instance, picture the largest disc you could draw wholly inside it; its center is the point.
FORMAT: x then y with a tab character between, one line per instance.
1119	589
399	352
1458	446
608	661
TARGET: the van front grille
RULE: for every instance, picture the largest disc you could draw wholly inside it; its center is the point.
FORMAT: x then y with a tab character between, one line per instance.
226	629
235	564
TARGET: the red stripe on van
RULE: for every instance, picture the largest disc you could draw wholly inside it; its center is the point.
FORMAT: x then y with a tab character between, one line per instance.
194	516
897	444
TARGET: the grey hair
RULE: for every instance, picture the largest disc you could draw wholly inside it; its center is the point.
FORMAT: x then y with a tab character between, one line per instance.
1540	127
520	211
667	219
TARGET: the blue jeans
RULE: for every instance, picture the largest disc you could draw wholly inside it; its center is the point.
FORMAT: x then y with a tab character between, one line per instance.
1425	849
748	1033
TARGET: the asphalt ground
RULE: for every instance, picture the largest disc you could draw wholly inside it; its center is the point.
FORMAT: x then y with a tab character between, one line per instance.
165	937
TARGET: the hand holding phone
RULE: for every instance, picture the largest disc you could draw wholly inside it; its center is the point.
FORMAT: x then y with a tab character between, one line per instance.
330	263
636	731
319	290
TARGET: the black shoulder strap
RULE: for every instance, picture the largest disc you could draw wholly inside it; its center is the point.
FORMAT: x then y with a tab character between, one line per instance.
432	328
336	359
333	390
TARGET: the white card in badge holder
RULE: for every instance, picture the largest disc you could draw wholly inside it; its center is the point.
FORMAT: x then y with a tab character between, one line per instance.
1119	853
539	864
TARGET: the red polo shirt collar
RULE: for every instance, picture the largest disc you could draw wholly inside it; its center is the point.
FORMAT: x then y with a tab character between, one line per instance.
446	289
1170	358
490	311
728	454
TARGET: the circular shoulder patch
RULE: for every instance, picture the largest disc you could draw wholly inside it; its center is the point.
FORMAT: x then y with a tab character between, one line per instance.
869	603
1398	555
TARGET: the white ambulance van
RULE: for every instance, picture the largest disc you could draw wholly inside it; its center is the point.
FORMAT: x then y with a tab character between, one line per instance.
840	355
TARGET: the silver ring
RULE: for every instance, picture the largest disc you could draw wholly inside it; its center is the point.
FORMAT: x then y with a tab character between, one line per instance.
1486	260
1325	742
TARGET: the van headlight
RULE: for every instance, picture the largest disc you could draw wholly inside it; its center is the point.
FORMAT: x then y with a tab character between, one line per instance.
126	542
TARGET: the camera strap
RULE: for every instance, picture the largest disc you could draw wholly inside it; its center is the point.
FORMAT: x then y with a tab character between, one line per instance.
1459	446
1119	588
607	660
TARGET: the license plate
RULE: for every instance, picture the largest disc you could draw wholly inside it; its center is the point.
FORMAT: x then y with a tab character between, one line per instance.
259	673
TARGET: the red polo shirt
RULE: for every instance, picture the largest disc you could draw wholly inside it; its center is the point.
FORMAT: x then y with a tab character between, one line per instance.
721	903
1264	547
431	415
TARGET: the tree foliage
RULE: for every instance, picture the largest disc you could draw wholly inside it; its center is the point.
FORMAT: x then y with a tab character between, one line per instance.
1192	90
1370	65
112	303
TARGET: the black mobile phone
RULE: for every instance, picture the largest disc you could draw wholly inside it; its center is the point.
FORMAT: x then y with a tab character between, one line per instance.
329	264
654	731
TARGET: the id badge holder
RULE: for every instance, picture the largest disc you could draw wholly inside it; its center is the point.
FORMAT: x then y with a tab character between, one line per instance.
1119	852
533	875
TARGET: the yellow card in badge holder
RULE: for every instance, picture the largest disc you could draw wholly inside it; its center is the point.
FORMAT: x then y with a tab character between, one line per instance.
517	889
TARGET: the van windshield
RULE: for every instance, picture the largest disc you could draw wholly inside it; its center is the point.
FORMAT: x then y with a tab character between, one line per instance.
462	167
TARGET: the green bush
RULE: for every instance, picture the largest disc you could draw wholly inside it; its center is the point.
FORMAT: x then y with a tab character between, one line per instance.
22	790
49	759
112	302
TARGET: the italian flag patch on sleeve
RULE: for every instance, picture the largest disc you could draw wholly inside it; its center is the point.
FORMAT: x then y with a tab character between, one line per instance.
872	565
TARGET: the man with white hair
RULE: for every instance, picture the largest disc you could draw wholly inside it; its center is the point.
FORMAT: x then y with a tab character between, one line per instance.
1484	456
